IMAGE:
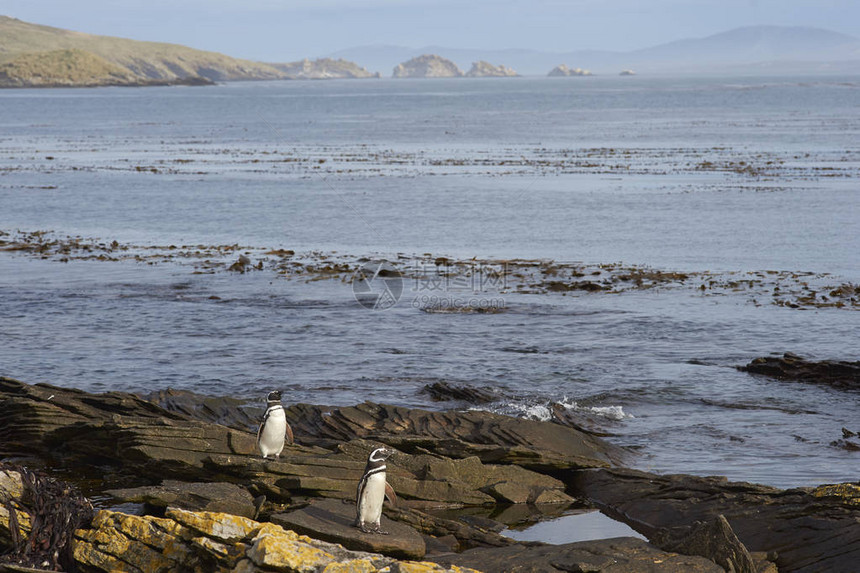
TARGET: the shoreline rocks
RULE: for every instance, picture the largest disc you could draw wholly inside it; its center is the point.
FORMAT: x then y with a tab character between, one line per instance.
840	375
163	457
805	530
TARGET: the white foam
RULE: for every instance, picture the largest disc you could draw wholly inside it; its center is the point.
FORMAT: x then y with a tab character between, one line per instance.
543	412
613	412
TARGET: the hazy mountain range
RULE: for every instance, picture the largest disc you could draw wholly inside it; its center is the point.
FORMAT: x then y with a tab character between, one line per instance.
32	55
778	49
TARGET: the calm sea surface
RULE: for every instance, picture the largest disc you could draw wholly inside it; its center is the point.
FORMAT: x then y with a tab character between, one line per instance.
733	175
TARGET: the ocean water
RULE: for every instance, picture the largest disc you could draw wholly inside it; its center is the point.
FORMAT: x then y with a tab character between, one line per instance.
728	176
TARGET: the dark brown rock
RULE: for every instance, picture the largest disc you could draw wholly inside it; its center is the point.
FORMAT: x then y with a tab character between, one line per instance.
332	521
714	540
467	535
193	496
226	411
842	375
807	531
618	555
443	391
493	438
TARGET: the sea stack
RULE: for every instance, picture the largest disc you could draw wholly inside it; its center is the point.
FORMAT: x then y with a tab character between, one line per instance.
484	69
427	66
323	69
564	71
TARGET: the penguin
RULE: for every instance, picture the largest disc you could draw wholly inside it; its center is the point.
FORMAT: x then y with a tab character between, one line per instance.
372	491
274	430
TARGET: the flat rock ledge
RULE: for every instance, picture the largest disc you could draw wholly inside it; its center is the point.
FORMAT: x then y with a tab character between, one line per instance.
332	521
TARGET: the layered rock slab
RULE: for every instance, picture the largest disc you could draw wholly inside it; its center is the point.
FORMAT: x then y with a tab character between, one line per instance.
808	530
333	521
618	555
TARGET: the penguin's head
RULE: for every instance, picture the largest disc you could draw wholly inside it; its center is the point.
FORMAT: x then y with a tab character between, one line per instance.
379	454
274	396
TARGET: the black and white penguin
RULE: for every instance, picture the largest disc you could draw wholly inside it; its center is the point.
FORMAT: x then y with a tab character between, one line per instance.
372	491
274	430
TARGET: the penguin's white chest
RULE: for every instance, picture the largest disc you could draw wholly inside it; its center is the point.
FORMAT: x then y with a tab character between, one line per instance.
370	504
271	438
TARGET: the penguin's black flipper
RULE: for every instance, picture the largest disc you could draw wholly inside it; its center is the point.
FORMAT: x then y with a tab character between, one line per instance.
390	495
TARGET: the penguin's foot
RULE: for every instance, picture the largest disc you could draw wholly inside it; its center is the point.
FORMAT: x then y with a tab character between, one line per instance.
378	529
363	528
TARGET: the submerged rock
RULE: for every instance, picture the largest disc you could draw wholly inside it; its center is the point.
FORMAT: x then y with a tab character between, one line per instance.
842	375
443	391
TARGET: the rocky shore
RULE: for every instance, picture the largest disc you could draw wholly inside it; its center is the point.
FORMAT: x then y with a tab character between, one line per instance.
172	482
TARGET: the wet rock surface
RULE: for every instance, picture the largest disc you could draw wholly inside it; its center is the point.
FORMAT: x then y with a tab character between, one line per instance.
714	540
492	438
619	555
806	531
841	375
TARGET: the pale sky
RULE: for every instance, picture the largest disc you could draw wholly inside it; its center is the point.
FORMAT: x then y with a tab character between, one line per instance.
284	30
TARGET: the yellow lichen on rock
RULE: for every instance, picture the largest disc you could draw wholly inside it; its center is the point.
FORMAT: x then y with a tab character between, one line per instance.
221	526
352	566
424	567
219	542
277	548
12	489
848	492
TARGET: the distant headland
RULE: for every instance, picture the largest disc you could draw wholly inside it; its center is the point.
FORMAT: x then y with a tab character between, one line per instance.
41	56
32	55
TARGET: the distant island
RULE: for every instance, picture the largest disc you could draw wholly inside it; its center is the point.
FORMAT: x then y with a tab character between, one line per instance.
32	55
484	69
760	50
434	66
427	66
564	71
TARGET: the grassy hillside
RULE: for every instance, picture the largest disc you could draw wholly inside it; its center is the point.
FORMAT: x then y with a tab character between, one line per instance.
25	46
62	67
